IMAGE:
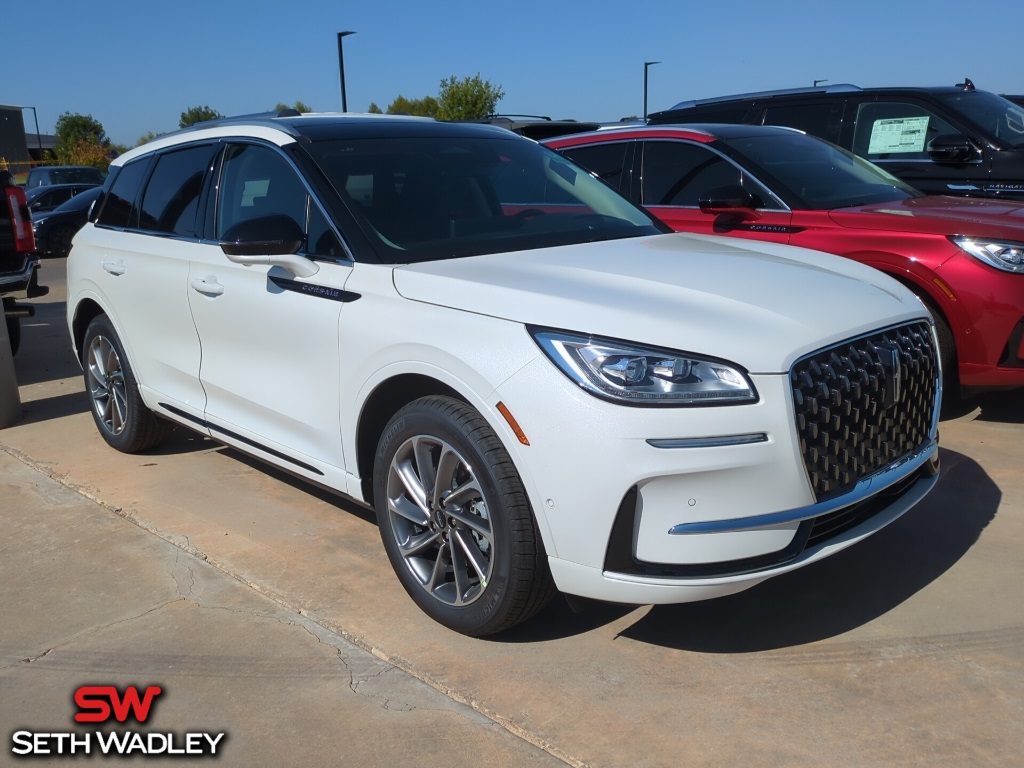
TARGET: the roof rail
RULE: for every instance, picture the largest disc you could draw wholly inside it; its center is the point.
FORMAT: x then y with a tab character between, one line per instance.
837	88
265	118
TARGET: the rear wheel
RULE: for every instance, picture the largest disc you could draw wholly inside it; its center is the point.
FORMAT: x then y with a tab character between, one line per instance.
121	416
455	520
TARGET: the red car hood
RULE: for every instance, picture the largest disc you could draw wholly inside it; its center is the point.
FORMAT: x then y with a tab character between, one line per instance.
940	215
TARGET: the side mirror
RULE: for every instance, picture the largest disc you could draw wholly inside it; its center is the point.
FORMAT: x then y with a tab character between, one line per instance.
951	147
269	240
731	199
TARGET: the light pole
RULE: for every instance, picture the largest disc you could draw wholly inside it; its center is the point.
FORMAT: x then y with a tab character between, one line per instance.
39	139
647	65
341	69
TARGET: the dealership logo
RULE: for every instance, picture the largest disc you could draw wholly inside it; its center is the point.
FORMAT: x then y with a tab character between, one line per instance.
115	708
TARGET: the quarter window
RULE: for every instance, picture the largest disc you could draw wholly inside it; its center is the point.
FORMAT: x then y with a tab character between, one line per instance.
120	205
171	200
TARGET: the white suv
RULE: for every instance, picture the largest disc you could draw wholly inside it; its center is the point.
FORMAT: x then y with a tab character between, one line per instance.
535	386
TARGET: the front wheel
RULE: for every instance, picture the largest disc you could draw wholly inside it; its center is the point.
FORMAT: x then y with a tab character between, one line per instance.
121	416
455	520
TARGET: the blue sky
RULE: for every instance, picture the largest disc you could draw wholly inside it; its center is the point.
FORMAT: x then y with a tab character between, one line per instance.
136	66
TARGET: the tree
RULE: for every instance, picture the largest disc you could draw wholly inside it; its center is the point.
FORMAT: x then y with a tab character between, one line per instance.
467	99
300	107
374	109
194	115
146	138
80	138
425	107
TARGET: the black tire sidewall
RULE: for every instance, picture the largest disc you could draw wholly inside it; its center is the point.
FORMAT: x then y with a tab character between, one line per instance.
141	430
427	417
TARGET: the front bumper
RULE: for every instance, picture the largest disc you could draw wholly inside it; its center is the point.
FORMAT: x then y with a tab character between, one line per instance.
666	505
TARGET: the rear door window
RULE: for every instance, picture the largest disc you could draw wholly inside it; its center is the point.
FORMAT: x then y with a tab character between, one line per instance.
171	200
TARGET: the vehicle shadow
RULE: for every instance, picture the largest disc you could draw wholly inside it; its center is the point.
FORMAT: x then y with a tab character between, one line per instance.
45	353
1006	406
820	601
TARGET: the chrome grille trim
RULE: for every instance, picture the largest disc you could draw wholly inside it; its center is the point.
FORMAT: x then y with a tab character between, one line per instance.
865	488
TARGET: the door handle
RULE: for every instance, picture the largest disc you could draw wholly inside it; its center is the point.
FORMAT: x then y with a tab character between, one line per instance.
114	267
207	285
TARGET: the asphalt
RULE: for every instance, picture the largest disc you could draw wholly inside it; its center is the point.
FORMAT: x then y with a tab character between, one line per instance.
265	610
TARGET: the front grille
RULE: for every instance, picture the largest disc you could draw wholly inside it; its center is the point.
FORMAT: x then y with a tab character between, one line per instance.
863	404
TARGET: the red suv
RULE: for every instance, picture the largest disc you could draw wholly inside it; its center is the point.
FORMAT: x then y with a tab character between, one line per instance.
963	257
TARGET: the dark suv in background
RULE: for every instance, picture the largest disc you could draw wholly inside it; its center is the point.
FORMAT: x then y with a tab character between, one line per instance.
45	175
953	140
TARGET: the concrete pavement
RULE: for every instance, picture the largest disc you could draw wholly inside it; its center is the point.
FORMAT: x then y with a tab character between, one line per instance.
906	650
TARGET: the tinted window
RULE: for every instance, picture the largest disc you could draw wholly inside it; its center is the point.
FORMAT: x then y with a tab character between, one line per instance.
811	174
171	199
813	118
1003	118
425	198
257	182
606	161
51	199
679	173
120	203
889	130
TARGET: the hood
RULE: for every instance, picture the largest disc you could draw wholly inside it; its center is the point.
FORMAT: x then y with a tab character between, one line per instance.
759	305
939	215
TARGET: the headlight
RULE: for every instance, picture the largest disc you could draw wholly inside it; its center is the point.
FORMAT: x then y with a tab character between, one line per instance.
635	375
1007	256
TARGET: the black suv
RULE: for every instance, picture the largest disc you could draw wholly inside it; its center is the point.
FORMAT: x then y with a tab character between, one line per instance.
953	140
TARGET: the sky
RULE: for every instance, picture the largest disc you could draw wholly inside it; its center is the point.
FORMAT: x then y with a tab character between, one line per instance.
136	66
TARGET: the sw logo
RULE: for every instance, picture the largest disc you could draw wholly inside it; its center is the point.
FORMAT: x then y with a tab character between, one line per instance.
113	706
97	703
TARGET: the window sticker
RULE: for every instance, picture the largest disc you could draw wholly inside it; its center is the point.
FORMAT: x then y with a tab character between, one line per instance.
899	134
253	189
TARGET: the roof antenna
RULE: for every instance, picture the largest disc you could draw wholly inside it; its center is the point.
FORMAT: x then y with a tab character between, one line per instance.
967	85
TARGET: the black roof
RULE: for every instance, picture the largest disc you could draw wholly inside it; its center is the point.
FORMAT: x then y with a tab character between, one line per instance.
818	92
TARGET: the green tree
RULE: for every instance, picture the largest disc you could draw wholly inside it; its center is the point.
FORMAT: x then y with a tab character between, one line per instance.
80	138
299	106
374	109
470	98
425	107
194	115
146	138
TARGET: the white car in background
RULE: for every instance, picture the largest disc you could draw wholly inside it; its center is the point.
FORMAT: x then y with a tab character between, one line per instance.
534	385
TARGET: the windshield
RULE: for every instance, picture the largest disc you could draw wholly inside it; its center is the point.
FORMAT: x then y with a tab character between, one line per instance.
994	114
811	174
429	198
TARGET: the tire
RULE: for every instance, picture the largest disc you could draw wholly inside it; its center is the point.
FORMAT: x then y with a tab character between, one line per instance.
14	333
476	564
121	416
